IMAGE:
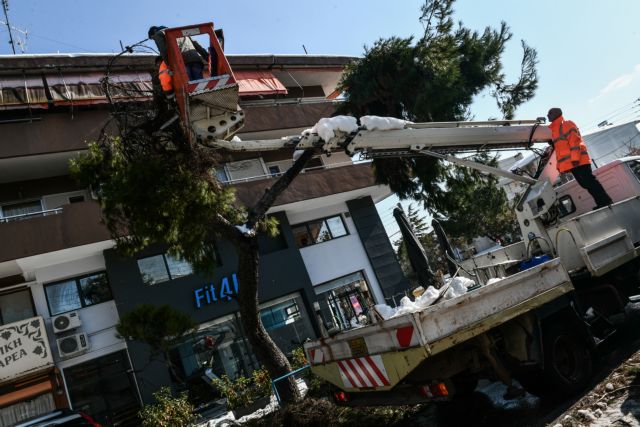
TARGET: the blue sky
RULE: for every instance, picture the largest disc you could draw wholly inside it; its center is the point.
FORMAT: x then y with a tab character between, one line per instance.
589	62
588	49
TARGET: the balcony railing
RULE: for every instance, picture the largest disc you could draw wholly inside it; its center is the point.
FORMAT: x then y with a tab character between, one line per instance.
278	174
71	225
31	215
328	180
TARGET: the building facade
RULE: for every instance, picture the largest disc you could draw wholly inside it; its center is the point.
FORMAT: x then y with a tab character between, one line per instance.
63	285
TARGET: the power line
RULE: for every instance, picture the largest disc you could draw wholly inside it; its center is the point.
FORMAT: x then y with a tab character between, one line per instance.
59	42
621	110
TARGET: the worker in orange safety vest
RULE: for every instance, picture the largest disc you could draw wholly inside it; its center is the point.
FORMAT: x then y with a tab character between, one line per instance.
166	80
572	156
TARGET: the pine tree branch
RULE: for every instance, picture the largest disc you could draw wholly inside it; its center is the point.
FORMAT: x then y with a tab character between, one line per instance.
258	212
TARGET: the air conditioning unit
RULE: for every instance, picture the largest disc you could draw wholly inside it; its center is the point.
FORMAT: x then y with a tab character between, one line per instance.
66	322
72	345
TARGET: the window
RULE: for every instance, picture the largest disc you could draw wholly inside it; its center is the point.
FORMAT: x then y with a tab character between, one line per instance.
162	268
21	208
319	231
79	292
274	170
246	169
216	349
15	306
634	165
221	174
287	322
566	206
220	347
347	298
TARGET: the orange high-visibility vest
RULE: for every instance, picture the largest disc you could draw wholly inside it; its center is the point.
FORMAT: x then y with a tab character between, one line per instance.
568	145
166	78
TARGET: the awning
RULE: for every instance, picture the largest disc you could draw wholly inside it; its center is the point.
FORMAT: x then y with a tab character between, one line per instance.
22	92
86	89
258	82
25	393
71	89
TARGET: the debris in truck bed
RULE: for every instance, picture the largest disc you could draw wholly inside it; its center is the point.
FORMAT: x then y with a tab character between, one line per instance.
456	287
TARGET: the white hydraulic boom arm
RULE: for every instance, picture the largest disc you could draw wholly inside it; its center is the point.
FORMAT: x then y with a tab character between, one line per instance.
437	139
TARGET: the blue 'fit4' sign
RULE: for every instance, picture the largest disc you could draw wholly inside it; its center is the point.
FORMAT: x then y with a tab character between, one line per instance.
208	294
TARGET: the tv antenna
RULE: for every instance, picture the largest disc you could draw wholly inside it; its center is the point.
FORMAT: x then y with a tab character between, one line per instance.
21	42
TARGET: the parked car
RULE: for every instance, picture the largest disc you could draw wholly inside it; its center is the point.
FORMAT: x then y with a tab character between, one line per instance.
61	417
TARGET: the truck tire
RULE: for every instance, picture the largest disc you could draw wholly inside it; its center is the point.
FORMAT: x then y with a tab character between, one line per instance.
567	359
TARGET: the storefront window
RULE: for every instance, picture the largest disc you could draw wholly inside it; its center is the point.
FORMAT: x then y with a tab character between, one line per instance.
104	388
221	348
287	322
15	306
217	349
348	299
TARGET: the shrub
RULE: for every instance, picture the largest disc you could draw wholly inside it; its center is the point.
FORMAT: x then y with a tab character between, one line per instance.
244	391
316	387
168	411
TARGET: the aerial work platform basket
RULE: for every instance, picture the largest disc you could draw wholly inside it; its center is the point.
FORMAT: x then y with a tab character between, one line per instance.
208	107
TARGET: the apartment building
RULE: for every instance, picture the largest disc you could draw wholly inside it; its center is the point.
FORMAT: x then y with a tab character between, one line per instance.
63	285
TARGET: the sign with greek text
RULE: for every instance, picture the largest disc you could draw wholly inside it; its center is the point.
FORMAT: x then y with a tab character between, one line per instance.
24	348
212	293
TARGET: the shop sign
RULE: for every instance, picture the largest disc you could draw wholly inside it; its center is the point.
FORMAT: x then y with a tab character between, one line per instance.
24	347
210	293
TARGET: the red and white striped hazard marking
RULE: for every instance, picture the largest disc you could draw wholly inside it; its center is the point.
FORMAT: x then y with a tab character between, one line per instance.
208	84
316	356
407	336
363	372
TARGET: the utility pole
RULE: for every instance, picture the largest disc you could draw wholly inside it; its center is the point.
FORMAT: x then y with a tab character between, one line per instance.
5	6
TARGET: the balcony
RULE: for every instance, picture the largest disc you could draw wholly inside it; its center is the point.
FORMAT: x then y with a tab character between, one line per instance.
65	227
350	180
51	133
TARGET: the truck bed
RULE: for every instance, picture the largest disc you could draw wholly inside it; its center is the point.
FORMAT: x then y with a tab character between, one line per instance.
379	356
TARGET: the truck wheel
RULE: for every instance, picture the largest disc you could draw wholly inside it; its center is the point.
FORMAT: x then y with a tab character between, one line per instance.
567	360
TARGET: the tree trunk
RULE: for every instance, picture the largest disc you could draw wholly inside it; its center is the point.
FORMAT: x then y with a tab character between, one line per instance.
249	277
267	351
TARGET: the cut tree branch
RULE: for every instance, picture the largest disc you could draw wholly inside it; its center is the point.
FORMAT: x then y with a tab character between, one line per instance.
270	195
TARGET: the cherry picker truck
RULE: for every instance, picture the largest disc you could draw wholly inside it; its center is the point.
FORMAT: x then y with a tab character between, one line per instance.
536	323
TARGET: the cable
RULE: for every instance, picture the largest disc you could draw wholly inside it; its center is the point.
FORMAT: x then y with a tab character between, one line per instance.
632	111
60	42
536	238
614	112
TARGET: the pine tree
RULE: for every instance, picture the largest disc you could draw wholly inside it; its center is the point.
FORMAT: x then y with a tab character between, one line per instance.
435	78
